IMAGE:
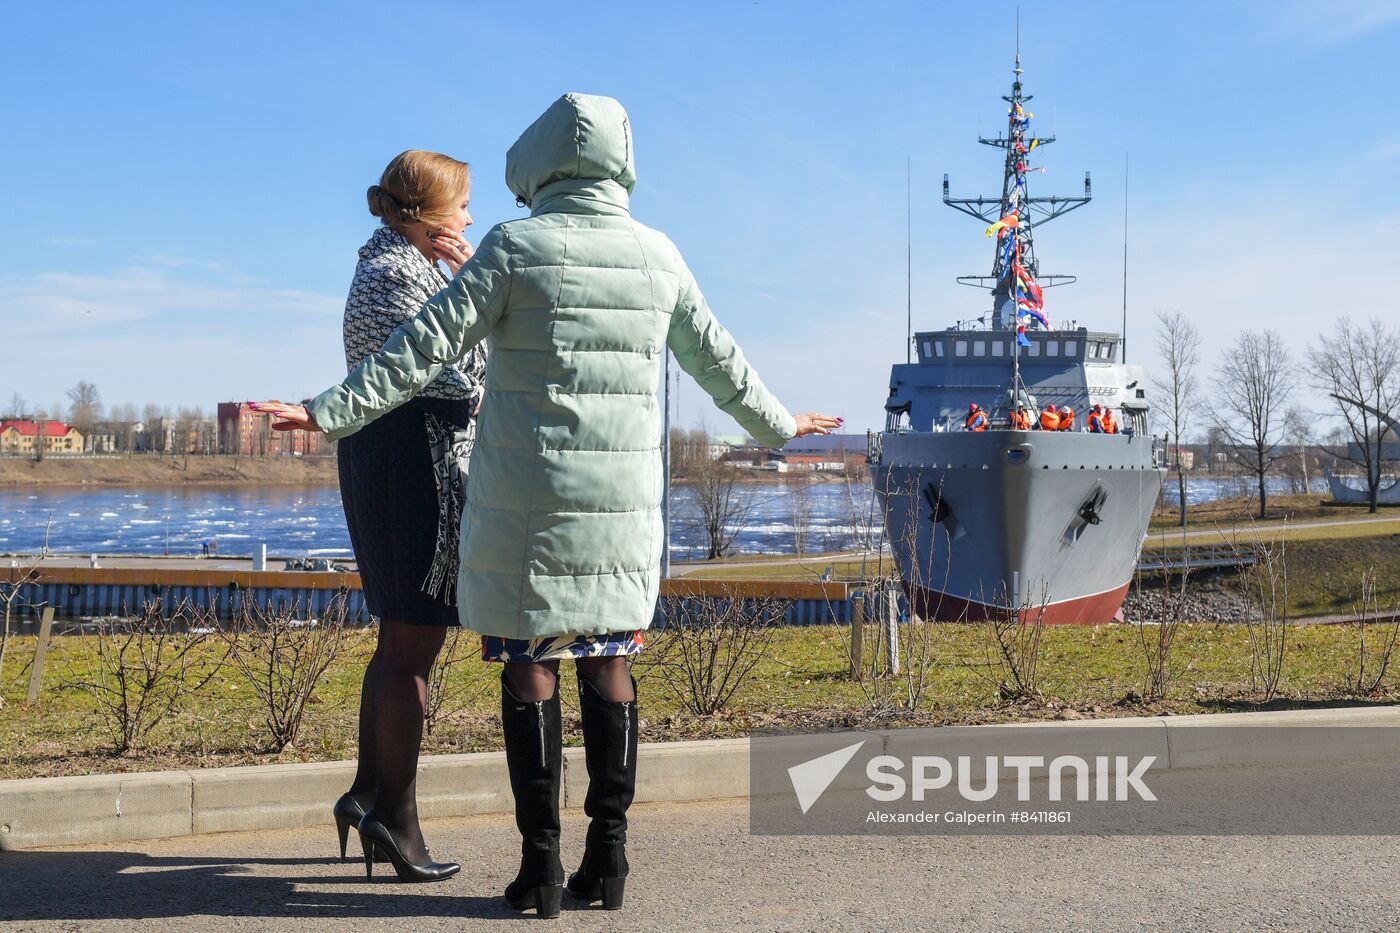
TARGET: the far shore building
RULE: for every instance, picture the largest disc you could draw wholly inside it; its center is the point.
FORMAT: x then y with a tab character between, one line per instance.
243	432
1187	455
169	435
840	453
100	441
22	436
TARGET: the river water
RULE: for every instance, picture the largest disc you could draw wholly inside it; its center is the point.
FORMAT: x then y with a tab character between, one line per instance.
307	521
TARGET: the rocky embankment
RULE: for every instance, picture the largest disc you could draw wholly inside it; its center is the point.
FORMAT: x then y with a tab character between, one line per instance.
152	470
1207	603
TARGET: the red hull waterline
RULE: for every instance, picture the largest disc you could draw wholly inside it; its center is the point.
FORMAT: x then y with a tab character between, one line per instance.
1098	609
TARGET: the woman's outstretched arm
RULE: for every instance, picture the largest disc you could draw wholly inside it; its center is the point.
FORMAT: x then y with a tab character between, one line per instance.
449	325
709	354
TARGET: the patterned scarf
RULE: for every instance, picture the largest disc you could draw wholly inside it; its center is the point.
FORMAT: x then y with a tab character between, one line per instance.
451	447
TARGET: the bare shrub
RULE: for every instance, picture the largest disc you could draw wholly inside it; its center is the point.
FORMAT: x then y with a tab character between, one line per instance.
1011	645
709	646
1372	654
146	666
283	658
1157	640
455	680
11	597
896	672
1267	618
12	591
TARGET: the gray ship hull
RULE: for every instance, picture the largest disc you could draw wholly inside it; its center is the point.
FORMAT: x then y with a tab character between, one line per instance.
1047	525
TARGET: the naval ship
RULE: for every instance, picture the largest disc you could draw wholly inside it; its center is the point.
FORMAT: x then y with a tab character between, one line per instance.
1003	523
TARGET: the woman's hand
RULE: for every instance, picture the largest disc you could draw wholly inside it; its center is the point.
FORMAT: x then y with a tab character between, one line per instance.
811	423
286	417
451	249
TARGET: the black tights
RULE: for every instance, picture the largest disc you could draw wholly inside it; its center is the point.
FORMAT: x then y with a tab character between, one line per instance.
531	681
391	728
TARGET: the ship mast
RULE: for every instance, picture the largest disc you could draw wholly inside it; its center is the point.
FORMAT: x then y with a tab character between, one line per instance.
1015	282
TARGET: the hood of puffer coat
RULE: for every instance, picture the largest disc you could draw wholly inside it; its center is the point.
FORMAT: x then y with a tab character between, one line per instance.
581	145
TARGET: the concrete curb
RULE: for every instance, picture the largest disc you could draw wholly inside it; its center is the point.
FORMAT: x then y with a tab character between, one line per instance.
124	807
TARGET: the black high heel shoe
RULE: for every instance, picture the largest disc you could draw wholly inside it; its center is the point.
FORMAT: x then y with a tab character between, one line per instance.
375	837
348	813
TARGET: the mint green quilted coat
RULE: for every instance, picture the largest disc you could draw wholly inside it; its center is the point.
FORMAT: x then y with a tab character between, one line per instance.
561	533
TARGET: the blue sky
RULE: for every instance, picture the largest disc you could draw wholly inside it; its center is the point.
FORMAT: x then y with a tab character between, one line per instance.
185	182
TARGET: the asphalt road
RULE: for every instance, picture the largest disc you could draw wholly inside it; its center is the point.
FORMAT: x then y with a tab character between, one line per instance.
696	867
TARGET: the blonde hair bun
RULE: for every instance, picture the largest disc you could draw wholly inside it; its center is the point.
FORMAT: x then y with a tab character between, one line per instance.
419	186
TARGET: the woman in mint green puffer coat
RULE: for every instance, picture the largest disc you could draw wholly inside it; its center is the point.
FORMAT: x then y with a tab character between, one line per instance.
561	533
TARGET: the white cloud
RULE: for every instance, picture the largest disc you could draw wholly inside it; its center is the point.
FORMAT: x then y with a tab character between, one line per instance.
83	242
49	300
1321	22
186	331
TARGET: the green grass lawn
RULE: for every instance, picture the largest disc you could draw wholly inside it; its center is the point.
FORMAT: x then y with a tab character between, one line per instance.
1293	508
802	683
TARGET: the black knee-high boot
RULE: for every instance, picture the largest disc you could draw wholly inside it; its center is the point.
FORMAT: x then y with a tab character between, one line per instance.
610	750
535	759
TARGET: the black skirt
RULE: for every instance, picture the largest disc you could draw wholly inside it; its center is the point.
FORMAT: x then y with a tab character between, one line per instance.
391	490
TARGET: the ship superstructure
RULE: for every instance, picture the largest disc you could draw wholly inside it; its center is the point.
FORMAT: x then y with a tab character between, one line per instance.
1046	524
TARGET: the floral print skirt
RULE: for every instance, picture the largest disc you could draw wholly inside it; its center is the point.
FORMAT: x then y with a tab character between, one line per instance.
559	647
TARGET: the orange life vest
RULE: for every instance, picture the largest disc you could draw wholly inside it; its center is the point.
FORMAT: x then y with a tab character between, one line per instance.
1049	421
1066	421
1020	421
976	421
1110	425
1095	423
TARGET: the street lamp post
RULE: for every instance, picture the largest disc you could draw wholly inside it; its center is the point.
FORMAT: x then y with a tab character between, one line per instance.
666	470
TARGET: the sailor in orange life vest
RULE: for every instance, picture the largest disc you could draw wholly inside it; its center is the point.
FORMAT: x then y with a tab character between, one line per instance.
976	419
1095	420
1020	419
1066	419
1110	424
1050	418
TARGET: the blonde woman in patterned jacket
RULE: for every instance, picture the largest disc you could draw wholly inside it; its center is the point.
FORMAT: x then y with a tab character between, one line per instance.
402	485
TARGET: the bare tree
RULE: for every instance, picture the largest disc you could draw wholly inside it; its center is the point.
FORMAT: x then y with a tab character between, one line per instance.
1297	463
1358	366
799	494
690	450
1179	345
123	420
85	406
17	408
1253	387
41	435
724	503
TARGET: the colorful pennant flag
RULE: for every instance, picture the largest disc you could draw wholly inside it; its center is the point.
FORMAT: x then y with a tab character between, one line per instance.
1010	220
